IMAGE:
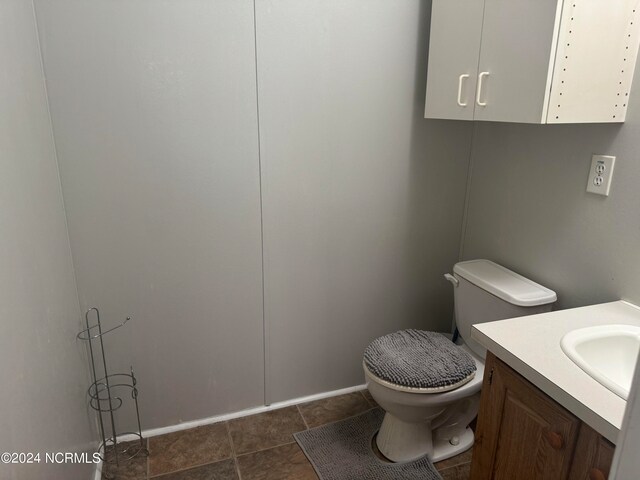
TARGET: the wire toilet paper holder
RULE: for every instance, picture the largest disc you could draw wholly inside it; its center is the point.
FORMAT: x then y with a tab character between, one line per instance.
105	396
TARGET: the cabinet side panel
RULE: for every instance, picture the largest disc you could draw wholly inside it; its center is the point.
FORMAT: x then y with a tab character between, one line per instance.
489	418
454	47
552	59
595	61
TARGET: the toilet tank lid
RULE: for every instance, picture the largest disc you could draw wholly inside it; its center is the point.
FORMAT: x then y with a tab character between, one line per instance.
504	284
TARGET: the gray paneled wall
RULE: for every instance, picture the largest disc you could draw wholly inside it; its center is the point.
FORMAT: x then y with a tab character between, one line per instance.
156	120
362	197
43	375
154	112
528	206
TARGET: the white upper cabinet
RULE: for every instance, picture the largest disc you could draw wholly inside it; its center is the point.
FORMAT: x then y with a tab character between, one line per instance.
517	45
456	30
532	61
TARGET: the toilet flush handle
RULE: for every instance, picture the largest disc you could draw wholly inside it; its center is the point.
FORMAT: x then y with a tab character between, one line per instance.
452	279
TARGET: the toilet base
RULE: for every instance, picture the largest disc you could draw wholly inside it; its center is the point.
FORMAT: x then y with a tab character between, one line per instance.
434	424
443	449
401	441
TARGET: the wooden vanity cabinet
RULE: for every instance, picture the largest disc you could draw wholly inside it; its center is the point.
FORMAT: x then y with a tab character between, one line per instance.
593	456
523	434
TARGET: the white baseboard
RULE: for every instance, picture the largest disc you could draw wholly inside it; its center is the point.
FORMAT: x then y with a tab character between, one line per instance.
153	432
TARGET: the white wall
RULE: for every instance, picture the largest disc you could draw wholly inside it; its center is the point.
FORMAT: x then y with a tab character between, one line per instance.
529	209
43	376
154	112
362	197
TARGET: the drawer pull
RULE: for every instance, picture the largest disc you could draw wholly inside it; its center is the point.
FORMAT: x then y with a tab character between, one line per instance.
555	440
596	474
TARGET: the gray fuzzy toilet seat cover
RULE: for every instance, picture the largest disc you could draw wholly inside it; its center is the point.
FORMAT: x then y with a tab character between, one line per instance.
419	359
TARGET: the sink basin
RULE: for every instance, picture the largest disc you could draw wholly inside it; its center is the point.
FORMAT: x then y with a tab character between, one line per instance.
608	353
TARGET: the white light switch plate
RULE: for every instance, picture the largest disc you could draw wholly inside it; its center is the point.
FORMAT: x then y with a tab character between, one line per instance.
601	174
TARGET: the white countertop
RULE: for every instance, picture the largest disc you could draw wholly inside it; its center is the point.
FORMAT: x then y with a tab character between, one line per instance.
531	346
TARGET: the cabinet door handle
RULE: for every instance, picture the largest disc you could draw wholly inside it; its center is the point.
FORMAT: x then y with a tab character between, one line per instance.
596	474
555	440
479	94
461	79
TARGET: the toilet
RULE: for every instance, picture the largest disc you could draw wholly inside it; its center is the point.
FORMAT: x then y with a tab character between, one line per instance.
426	414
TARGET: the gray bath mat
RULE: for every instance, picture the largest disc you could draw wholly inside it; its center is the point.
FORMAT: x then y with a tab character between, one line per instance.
342	451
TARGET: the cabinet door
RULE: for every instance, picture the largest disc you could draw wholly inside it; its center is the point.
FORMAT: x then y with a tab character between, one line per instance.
522	434
593	458
518	44
454	47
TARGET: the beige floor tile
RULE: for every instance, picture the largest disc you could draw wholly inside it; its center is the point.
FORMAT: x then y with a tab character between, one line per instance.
332	409
133	469
188	448
286	462
459	472
369	398
265	430
225	470
464	457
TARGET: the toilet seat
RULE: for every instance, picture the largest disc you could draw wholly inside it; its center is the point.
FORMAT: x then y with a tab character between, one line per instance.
402	388
418	361
432	397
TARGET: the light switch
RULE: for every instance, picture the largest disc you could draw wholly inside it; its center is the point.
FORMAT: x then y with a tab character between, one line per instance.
601	174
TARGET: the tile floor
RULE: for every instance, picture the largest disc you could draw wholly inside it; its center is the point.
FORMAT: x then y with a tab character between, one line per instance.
258	447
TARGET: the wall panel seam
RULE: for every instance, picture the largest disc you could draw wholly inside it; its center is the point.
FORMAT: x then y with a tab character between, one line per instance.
265	330
467	194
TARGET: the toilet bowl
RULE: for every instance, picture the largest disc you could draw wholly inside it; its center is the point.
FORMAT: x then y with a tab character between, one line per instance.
435	421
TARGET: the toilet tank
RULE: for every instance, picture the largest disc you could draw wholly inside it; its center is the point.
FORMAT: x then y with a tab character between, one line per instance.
485	291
